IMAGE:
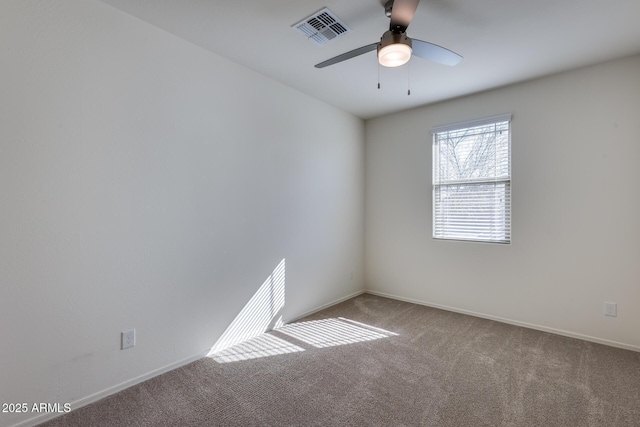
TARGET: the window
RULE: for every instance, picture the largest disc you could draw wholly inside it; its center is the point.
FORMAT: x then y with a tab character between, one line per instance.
472	181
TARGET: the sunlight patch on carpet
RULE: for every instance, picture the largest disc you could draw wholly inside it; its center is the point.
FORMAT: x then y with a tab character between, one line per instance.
261	346
333	331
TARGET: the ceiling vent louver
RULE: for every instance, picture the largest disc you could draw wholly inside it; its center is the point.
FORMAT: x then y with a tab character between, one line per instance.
322	27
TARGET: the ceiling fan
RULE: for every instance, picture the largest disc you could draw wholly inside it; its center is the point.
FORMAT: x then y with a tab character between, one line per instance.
395	47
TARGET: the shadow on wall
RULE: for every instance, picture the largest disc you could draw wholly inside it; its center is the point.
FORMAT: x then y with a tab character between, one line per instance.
259	315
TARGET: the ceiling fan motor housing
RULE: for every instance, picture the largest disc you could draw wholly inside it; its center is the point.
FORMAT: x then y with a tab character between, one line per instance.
394	49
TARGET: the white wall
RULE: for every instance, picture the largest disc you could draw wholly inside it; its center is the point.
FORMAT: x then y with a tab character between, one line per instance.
146	183
576	207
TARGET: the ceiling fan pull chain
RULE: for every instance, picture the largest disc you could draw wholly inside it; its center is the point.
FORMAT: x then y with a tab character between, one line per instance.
378	75
408	78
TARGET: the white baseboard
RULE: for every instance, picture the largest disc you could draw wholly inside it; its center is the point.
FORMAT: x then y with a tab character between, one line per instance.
111	390
512	322
129	383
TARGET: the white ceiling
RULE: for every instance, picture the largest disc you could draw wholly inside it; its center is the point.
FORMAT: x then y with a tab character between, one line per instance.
502	42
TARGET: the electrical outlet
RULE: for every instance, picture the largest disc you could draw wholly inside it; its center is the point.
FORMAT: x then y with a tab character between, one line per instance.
128	339
610	309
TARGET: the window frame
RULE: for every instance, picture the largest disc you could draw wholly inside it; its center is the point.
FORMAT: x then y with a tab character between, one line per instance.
494	180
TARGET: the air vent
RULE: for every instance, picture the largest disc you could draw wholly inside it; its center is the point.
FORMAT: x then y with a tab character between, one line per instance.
322	27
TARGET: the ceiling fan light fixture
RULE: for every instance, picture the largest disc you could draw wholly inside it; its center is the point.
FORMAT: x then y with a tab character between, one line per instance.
394	49
394	55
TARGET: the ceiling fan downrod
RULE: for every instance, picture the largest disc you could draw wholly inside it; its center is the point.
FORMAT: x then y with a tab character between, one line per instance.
388	6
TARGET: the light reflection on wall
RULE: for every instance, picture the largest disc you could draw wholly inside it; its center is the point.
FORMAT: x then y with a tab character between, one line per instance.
259	314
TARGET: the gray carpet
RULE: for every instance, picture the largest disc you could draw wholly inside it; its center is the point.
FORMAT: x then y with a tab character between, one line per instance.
373	361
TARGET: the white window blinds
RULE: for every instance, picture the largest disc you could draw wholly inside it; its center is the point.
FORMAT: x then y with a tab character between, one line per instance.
472	181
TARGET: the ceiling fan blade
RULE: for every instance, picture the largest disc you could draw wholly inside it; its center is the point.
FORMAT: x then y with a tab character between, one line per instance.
348	55
402	13
435	53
